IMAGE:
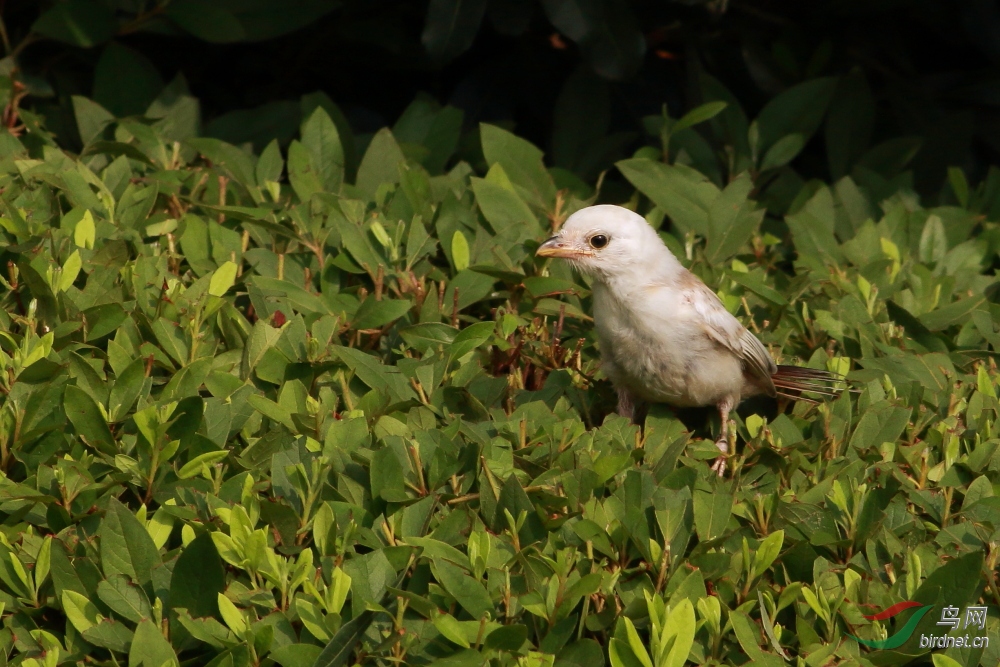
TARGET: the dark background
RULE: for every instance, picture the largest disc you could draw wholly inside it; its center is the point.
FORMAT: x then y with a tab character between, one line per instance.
931	65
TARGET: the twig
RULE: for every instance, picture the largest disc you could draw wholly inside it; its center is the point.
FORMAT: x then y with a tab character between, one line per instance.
475	496
223	182
3	32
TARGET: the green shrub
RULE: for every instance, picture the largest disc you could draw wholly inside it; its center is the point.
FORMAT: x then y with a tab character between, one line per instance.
292	408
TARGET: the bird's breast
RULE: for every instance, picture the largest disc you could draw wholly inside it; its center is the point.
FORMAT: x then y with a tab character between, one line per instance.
646	355
654	349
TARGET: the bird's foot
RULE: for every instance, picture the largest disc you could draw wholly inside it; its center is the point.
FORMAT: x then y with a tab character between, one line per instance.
720	463
720	466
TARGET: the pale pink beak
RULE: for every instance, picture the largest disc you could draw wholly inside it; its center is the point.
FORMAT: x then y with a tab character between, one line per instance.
556	247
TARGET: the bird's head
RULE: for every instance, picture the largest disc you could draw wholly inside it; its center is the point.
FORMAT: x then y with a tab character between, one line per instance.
608	241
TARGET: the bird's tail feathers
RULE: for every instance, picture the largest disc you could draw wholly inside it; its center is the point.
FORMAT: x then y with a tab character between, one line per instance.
794	381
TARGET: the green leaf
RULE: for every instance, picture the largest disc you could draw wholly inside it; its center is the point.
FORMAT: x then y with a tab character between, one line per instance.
621	655
172	339
766	553
201	462
755	284
387	476
104	319
585	587
312	618
959	185
44	562
110	634
88	421
941	660
472	287
679	626
933	240
339	648
768	624
876	426
208	21
80	611
125	81
149	648
266	20
429	335
582	653
231	615
539	286
374	314
383	378
502	206
812	229
507	638
126	390
636	644
64	575
747	633
470	338
123	598
302	174
682	193
84	234
797	110
699	114
952	314
451	629
849	123
581	122
380	163
321	139
521	161
262	338
269	165
272	411
711	512
370	575
451	26
235	161
436	549
469	592
782	152
464	658
222	279
70	270
296	655
126	547
732	220
459	251
958	580
83	23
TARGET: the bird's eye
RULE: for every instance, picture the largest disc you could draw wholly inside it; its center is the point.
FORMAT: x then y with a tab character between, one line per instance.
598	241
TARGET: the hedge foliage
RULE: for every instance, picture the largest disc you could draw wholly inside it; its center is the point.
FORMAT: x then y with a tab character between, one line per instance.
322	406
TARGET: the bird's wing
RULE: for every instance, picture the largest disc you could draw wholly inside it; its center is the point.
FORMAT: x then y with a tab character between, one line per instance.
727	331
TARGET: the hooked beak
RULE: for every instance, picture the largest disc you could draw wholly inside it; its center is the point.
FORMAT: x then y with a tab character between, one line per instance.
556	247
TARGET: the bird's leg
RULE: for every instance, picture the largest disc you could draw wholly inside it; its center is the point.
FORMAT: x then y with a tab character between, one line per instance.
626	403
723	442
639	412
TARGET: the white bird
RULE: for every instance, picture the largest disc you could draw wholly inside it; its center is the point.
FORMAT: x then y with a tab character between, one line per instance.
664	336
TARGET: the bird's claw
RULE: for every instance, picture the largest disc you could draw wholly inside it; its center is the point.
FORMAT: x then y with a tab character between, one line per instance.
720	463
